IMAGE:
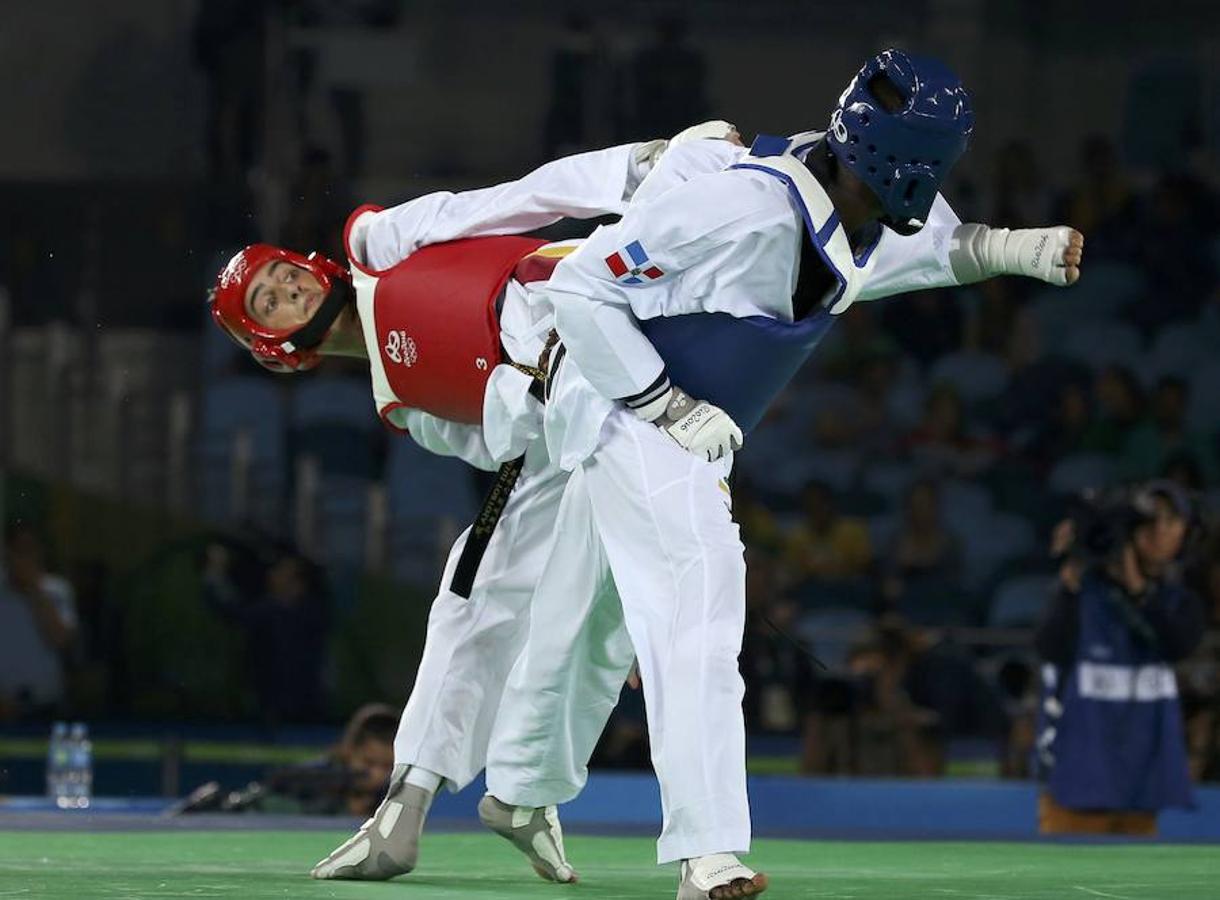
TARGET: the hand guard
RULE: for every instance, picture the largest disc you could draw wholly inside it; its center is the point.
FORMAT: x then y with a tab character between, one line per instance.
647	154
978	252
705	430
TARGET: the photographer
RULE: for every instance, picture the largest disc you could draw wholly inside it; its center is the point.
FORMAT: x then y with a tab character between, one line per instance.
1111	749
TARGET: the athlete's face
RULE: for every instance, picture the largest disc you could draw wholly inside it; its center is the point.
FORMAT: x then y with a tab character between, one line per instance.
283	296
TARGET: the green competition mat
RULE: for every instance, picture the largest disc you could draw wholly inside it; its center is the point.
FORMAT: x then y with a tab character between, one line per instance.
250	865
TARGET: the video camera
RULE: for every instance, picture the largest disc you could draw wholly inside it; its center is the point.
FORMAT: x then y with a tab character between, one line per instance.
1104	521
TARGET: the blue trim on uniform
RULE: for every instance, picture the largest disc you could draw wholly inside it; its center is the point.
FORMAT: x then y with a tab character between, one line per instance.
825	232
803	148
813	231
637	253
769	145
863	260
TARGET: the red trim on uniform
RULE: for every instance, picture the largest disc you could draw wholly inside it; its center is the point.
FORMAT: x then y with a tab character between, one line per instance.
347	236
617	267
536	268
384	413
653	272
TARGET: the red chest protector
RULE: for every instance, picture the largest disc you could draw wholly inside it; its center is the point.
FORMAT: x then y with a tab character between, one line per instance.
434	321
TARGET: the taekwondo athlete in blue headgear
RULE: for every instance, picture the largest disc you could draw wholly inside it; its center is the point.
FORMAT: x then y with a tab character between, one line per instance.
679	325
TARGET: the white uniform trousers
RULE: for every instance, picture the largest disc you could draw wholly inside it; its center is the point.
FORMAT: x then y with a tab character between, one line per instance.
473	642
657	519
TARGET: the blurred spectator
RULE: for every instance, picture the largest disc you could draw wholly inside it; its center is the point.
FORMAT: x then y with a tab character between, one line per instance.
864	422
940	444
1153	444
1120	408
318	200
759	529
827	544
670	82
346	100
349	781
854	343
1184	470
38	626
926	324
779	674
1180	266
366	754
1019	195
924	549
1068	428
229	38
866	723
1101	202
579	69
1110	746
1199	675
1018	688
285	629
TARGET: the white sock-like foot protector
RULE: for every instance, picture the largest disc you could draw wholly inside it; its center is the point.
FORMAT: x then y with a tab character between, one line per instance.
698	877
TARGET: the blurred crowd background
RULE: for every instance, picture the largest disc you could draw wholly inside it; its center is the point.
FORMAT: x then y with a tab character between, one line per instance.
209	545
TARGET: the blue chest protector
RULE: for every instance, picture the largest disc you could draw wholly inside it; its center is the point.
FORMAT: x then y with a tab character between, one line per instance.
1117	742
752	358
741	364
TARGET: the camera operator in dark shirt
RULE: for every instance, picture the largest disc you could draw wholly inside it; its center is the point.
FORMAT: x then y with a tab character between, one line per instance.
1111	749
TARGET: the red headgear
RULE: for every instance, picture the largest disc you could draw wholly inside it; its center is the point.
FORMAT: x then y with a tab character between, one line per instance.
272	347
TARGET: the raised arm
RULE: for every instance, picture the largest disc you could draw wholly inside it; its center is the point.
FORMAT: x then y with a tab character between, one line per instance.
947	252
580	186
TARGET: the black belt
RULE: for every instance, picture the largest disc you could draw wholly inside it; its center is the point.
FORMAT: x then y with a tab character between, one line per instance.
492	509
484	527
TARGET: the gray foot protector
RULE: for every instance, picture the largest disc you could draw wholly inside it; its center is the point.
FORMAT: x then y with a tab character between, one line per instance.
388	843
535	832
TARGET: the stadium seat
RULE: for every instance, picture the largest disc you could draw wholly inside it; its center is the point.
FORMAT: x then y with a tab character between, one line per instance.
1103	343
837	468
1082	471
1203	412
882	530
430	499
975	376
821	593
889	479
996	540
251	406
935	601
1019	601
833	633
334	399
1178	350
964	500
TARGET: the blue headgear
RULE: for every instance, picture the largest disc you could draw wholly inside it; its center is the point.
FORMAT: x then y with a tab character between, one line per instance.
904	155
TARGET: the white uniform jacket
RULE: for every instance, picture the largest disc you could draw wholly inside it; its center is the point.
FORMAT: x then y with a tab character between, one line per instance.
719	240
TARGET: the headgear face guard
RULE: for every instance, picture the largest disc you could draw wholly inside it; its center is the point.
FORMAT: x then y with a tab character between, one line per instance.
280	350
903	155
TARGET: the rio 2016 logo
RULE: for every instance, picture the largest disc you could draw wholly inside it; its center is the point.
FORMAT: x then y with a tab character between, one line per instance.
401	348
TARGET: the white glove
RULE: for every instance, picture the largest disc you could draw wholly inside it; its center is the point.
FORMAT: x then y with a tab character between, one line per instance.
649	153
977	252
705	430
716	129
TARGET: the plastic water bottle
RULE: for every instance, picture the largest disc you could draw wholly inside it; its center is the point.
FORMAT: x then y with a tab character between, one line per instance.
80	767
57	765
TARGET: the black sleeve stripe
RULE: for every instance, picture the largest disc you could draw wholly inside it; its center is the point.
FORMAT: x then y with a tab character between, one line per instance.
650	393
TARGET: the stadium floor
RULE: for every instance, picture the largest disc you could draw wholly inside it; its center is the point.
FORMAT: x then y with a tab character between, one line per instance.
266	864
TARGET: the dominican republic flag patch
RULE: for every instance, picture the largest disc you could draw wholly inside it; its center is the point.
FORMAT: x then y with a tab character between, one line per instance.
632	266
